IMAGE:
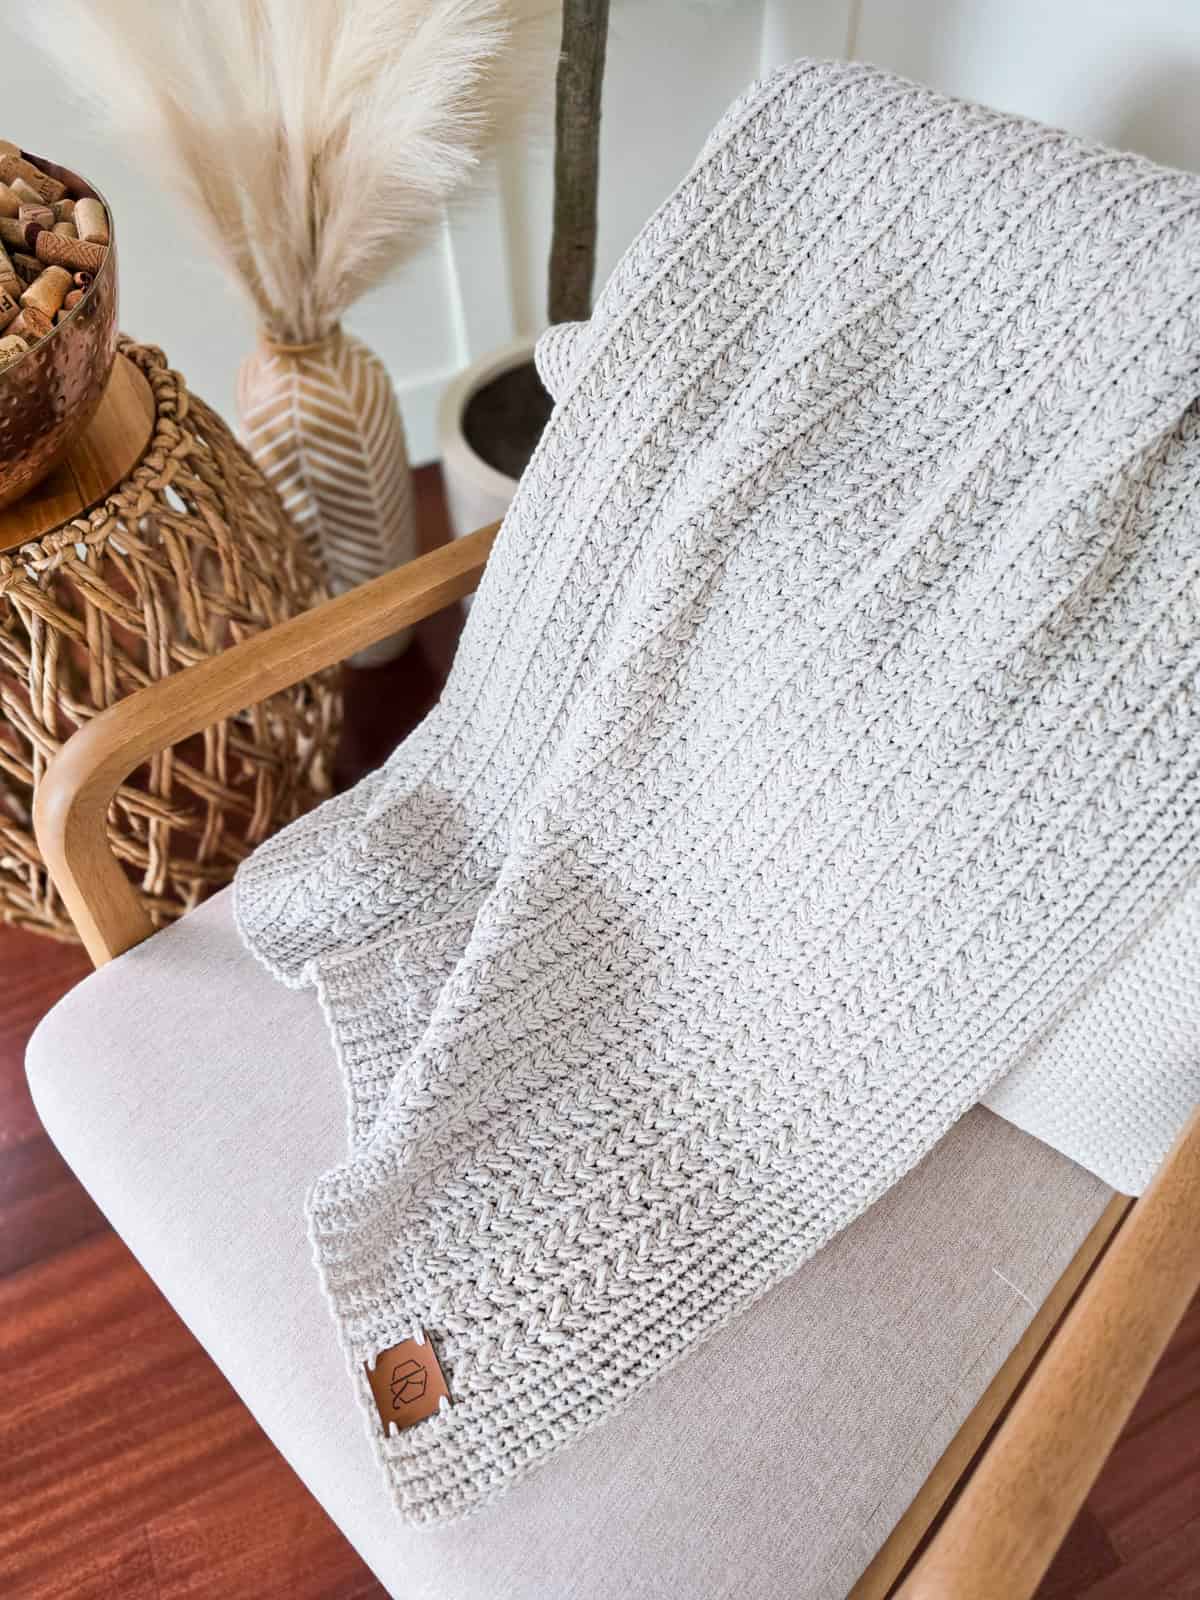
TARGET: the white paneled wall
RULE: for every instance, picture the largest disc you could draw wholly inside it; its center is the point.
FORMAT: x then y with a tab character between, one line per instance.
1126	73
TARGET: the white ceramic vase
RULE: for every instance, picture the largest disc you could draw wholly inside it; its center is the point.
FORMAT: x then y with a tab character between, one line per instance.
323	424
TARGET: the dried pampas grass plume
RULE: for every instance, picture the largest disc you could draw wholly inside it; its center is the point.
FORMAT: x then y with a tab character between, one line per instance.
315	141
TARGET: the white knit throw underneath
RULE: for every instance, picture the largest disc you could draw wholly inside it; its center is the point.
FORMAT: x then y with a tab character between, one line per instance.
822	745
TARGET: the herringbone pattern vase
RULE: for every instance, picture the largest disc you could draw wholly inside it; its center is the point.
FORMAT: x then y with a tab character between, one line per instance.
322	422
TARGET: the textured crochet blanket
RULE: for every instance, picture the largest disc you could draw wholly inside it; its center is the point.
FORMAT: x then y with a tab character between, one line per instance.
822	747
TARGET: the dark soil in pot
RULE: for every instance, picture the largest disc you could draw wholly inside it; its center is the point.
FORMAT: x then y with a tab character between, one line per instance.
503	421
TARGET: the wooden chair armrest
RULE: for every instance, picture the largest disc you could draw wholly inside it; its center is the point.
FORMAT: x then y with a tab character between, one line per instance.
1004	1529
71	807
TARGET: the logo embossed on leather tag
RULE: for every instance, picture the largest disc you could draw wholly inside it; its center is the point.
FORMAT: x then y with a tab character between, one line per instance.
407	1382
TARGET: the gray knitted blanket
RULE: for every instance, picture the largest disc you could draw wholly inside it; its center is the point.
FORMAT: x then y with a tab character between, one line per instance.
822	747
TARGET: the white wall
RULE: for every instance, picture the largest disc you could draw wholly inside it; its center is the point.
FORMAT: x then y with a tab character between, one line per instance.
1123	71
1126	73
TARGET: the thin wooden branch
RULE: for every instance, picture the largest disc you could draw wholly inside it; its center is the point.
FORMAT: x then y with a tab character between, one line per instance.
577	159
73	798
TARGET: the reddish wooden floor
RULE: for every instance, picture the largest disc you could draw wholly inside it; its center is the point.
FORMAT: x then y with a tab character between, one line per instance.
130	1471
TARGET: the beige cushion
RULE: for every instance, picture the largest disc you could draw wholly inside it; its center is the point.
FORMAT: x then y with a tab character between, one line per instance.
197	1099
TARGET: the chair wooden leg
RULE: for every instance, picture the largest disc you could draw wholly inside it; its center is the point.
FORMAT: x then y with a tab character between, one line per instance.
1016	1508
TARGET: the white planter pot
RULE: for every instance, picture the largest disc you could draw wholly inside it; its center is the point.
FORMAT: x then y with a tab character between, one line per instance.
476	493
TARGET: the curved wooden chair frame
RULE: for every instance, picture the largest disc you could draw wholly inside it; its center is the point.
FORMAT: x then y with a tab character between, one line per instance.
1019	1469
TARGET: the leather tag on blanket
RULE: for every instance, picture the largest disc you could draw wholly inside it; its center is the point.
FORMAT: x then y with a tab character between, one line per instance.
407	1382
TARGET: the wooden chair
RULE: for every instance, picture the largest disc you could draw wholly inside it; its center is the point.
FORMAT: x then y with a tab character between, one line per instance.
1019	1468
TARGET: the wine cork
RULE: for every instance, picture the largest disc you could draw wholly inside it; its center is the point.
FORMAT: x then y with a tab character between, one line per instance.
25	192
82	280
10	203
47	293
8	148
92	220
32	324
73	299
10	309
13	233
11	347
42	215
26	267
18	235
65	230
64	210
8	273
74	253
47	189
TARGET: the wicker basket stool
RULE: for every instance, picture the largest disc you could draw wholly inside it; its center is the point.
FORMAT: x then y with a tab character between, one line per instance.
185	550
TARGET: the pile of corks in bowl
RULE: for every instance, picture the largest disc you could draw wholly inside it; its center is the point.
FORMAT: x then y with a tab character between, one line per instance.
51	248
58	314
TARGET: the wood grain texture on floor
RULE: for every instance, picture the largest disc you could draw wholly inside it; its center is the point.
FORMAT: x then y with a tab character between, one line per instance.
129	1470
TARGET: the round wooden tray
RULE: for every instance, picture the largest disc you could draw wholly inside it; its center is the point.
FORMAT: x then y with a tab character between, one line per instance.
104	454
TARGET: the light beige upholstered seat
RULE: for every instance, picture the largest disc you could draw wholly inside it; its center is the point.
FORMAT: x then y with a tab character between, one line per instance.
197	1099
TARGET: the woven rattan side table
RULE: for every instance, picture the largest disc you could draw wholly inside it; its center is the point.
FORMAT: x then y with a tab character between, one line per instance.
157	543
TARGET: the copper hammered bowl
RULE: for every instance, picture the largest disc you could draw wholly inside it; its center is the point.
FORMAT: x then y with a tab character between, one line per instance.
49	395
